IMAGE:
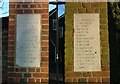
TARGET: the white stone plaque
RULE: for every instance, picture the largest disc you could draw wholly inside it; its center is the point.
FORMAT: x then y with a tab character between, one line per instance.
28	40
87	42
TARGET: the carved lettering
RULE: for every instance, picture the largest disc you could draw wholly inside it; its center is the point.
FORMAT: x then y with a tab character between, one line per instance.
28	40
86	42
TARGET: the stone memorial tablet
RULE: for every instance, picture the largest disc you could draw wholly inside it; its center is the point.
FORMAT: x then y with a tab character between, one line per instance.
28	40
87	42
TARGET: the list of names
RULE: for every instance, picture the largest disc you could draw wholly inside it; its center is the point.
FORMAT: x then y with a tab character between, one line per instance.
86	42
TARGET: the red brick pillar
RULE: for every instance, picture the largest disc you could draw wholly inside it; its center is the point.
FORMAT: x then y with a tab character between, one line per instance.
102	76
18	74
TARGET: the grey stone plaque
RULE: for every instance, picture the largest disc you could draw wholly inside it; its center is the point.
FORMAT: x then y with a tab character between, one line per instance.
87	42
28	40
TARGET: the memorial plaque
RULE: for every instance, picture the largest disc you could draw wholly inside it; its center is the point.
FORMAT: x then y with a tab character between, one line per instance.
28	40
87	42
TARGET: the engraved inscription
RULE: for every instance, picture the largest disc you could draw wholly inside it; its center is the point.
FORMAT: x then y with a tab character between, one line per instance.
28	40
86	42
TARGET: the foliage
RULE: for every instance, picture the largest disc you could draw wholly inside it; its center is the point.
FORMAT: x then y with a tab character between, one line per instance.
115	9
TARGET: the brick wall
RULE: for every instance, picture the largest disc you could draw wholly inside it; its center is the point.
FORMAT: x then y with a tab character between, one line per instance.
99	76
31	75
